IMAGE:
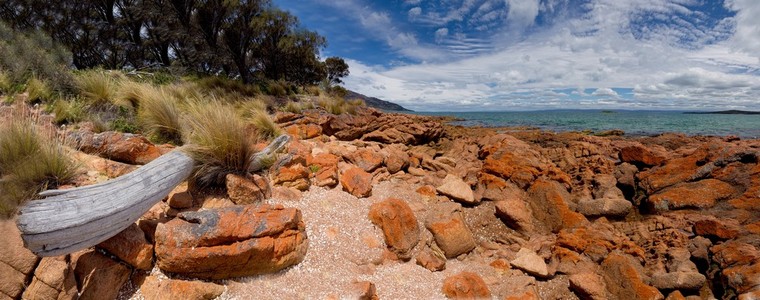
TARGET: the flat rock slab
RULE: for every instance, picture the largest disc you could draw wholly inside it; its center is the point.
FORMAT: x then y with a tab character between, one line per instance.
528	261
231	242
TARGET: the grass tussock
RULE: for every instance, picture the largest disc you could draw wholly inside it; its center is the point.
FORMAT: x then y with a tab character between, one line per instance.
29	163
68	111
6	84
159	114
338	105
98	87
265	125
38	90
218	141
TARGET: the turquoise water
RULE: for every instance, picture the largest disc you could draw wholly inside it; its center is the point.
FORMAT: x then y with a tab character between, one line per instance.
632	122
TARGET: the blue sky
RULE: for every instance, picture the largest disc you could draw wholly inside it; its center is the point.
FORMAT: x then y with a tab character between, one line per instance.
481	55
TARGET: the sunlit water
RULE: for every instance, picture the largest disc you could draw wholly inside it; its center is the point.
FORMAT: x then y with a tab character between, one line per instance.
632	122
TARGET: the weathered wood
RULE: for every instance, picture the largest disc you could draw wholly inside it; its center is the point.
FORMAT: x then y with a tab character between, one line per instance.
70	220
73	219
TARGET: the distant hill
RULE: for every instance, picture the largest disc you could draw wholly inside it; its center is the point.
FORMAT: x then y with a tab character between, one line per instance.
376	103
724	112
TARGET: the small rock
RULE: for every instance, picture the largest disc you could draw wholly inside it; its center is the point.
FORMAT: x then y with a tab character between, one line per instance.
180	197
588	286
395	159
16	262
466	285
640	155
324	167
53	279
295	176
247	190
154	288
455	188
447	225
430	261
364	290
515	213
679	281
528	261
357	182
399	225
605	207
286	193
623	277
132	247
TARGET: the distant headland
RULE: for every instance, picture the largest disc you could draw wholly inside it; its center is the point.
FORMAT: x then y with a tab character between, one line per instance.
724	112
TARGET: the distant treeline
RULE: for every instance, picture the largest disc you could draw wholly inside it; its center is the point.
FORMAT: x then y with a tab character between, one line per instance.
249	40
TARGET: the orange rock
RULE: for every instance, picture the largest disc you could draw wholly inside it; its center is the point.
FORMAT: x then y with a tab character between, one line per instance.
701	194
154	288
640	155
447	225
16	262
98	276
247	190
366	159
724	229
180	197
324	167
588	286
364	290
295	176
548	202
395	159
465	285
53	279
231	242
132	247
623	278
753	228
428	260
510	158
356	182
733	253
304	131
743	278
399	225
515	214
122	147
529	294
427	190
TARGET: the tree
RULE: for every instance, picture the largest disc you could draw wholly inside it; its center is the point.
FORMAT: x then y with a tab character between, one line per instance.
336	69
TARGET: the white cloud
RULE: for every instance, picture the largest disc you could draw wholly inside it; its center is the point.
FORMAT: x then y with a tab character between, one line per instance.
602	92
414	12
522	12
605	47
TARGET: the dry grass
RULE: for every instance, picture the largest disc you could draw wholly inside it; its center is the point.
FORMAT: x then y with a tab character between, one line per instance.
38	90
68	111
98	87
6	84
218	141
265	125
338	105
160	115
29	163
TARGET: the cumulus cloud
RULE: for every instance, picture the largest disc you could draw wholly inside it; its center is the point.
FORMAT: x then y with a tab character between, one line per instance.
602	92
414	12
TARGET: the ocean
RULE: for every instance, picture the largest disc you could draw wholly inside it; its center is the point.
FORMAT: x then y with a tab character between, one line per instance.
632	122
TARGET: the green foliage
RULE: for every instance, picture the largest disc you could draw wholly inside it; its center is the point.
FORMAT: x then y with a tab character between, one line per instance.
314	168
27	54
159	114
336	69
98	87
6	84
225	88
28	164
292	107
123	124
218	141
337	106
277	88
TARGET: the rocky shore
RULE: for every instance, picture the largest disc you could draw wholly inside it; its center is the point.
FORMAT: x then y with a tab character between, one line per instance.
394	206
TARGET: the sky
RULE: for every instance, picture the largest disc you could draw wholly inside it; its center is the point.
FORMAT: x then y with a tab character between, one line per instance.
508	55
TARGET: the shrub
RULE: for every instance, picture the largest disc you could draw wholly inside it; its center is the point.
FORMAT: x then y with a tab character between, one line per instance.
29	163
6	84
292	107
277	88
160	116
225	88
218	141
98	87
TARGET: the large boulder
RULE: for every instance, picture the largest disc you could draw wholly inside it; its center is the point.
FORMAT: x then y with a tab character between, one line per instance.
324	169
641	156
16	262
53	279
231	242
399	225
512	159
98	276
365	158
623	276
122	147
701	194
548	201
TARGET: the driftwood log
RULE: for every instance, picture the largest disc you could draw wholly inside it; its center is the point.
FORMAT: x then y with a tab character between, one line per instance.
69	220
